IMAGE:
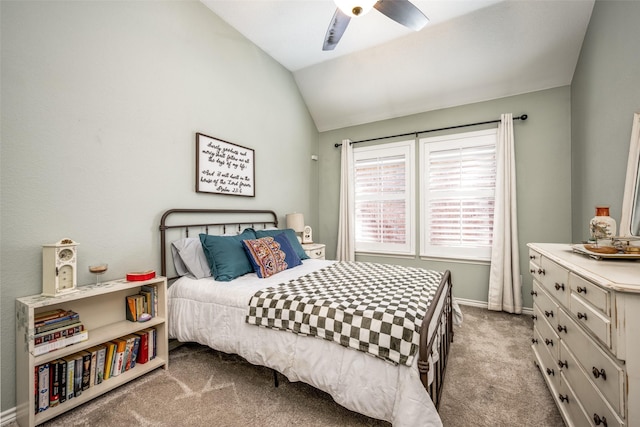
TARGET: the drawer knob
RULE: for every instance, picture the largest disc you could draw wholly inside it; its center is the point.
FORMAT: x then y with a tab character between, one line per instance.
562	328
551	372
599	373
534	293
534	317
582	290
582	316
548	313
559	286
534	340
562	364
597	420
532	257
547	341
532	271
563	398
541	271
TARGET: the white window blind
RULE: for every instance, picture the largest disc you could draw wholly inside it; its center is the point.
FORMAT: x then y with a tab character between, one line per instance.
458	194
383	188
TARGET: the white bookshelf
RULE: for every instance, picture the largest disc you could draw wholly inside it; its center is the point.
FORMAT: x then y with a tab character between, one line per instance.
102	311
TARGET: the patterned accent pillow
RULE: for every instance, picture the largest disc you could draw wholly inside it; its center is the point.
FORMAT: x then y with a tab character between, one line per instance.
271	255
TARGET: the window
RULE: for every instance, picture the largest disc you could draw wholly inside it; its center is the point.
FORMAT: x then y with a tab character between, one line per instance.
384	180
458	193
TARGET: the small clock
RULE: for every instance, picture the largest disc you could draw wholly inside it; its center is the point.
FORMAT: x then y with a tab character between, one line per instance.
306	235
59	268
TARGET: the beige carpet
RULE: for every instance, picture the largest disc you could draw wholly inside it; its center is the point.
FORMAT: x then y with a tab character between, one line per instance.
491	381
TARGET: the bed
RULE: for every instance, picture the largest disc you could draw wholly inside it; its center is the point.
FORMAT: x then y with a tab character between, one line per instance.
215	313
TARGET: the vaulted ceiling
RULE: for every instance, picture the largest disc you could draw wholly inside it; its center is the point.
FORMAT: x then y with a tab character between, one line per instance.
471	51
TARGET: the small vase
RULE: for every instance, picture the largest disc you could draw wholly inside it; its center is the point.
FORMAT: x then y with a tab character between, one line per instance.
602	226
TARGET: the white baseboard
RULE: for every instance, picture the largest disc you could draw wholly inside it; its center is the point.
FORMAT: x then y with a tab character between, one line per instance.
7	416
485	305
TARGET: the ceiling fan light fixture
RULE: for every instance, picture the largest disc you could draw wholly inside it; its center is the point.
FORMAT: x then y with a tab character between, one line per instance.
355	8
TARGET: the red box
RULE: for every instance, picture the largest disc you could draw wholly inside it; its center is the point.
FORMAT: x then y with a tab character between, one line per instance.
139	276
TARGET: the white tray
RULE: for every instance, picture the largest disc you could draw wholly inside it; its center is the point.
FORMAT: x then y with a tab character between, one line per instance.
581	249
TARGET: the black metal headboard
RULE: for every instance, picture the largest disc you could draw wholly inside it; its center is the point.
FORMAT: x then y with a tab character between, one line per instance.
210	218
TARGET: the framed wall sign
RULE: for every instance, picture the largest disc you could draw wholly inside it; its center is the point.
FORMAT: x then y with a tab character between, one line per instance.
224	168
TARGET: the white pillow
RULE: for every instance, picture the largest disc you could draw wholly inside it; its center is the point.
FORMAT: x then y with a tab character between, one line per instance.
189	258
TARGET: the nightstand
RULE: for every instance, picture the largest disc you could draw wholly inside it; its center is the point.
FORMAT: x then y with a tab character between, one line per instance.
314	250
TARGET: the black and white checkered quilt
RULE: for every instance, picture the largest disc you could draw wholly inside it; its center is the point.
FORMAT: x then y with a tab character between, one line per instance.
375	308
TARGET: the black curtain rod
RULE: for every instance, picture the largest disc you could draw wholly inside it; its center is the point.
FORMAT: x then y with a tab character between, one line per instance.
522	117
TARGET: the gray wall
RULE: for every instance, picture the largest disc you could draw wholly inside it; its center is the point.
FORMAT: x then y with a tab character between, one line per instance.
100	105
543	162
605	93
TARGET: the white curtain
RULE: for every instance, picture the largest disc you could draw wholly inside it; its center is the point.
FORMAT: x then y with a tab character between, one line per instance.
505	287
346	240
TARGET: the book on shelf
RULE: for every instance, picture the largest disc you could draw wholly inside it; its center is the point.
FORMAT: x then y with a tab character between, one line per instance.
101	357
63	380
54	383
93	351
48	315
43	387
134	307
77	378
111	348
60	343
62	332
119	357
143	347
86	369
153	289
126	358
134	351
71	369
148	301
57	323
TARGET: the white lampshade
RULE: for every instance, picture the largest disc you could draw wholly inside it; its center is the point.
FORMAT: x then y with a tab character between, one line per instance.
296	222
355	8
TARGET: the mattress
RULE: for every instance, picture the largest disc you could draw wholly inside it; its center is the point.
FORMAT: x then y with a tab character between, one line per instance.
213	313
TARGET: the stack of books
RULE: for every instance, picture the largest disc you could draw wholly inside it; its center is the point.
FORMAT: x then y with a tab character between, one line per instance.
57	329
66	378
146	301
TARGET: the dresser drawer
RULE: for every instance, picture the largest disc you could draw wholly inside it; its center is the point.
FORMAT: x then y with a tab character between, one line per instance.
548	307
592	319
598	297
548	335
591	399
555	279
569	405
546	362
603	371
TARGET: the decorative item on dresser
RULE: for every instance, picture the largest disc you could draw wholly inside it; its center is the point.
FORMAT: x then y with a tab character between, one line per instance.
314	250
602	226
586	321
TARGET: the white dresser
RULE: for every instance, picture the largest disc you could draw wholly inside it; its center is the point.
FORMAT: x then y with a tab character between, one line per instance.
586	336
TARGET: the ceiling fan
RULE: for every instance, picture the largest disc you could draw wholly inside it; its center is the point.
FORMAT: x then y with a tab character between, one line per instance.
401	11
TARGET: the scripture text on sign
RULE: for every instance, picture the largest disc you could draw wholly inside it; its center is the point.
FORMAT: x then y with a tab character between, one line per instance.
223	167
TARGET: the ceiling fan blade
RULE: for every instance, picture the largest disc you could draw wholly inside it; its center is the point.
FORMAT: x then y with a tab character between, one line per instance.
336	29
403	12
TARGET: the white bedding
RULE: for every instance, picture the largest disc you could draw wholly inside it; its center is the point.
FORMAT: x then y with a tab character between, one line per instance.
213	313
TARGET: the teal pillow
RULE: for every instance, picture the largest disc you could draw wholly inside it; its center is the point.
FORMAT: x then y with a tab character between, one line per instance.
226	255
291	235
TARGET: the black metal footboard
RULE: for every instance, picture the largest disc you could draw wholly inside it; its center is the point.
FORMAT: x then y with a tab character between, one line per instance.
435	346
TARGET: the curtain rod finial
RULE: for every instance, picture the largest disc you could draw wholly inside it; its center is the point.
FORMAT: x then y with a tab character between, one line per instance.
523	117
